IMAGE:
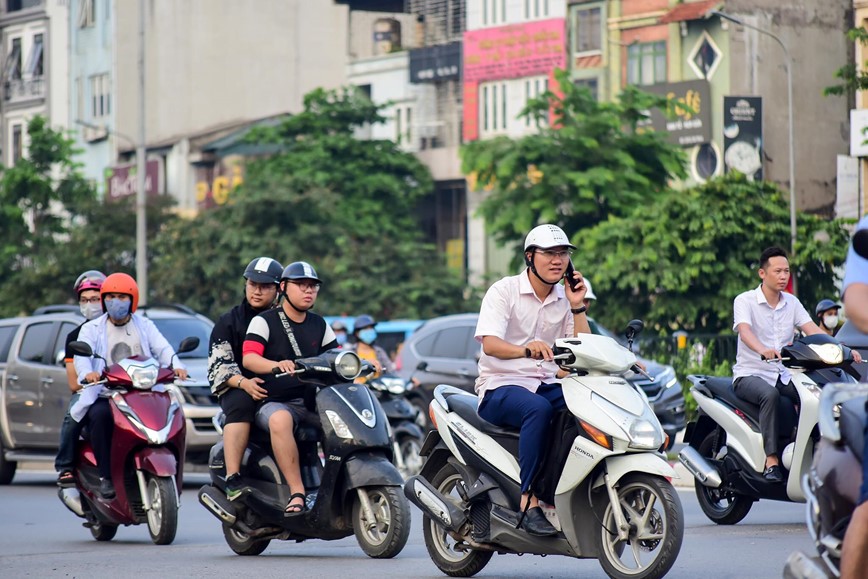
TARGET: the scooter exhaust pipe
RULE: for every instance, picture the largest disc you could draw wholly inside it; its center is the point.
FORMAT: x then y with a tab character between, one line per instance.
72	499
699	467
420	492
217	503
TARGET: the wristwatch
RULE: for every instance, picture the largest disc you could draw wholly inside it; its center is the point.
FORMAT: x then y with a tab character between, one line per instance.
580	310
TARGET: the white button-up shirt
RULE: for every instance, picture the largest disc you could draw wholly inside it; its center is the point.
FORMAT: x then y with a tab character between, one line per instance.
512	312
773	327
856	270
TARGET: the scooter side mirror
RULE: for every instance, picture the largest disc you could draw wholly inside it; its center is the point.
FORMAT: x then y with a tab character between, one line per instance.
80	348
634	327
188	345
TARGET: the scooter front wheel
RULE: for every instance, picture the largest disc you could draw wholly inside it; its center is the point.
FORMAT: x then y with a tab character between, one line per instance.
163	514
385	535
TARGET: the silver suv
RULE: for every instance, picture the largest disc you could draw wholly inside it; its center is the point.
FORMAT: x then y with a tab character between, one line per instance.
34	395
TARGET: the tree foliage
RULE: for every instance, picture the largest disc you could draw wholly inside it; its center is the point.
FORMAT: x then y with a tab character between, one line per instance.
346	206
851	77
593	161
680	262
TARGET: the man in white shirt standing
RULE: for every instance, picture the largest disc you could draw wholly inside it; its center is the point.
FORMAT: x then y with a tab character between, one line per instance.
520	318
765	319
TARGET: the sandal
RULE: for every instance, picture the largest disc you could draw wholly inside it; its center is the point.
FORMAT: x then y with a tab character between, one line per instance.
66	479
293	508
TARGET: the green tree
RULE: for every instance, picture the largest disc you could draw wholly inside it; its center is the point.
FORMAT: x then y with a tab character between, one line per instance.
680	262
593	161
345	205
851	76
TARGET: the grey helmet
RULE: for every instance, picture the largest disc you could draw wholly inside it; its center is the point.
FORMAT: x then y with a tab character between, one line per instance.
263	270
300	270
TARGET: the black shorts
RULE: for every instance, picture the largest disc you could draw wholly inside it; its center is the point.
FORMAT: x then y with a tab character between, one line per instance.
238	406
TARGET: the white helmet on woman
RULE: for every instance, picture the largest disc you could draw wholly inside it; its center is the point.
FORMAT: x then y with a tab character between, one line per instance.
547	236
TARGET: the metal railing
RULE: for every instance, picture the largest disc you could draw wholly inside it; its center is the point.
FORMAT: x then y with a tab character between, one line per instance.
24	89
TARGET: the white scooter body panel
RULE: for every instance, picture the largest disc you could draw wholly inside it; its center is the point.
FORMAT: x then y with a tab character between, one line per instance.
740	437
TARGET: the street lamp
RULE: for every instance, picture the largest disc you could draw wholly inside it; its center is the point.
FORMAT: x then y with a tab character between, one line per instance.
788	63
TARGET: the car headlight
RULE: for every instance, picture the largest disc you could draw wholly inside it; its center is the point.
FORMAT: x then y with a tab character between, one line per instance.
643	432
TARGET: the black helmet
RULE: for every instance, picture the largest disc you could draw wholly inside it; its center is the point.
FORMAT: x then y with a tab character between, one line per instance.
300	270
825	305
363	321
263	270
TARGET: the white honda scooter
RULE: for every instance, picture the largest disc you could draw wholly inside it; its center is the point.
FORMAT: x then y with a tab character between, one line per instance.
604	478
725	452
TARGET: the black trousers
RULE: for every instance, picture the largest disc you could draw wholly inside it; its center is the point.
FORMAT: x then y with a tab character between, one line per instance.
100	426
756	390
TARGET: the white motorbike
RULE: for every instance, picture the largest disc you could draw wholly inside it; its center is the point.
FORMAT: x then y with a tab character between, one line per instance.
603	482
725	446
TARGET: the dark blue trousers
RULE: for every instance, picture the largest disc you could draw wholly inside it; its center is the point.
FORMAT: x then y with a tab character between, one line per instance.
531	413
70	430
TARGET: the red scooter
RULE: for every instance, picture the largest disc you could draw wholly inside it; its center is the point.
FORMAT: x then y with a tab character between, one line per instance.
148	446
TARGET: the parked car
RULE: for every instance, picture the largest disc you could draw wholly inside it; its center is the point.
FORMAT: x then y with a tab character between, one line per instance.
444	351
34	395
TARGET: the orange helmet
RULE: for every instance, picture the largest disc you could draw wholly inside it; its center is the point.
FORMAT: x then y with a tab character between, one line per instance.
120	283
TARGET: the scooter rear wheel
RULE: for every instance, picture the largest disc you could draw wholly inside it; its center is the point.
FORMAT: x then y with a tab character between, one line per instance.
386	535
441	546
242	544
721	506
103	531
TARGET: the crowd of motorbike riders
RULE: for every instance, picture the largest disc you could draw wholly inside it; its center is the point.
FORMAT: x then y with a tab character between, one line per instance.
273	325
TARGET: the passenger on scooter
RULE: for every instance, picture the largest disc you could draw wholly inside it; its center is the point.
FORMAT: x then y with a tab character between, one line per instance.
238	389
827	316
117	334
365	346
86	289
854	552
274	339
765	319
521	316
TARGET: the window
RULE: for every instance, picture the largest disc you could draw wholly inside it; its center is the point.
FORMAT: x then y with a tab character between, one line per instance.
34	61
646	63
6	335
16	5
404	125
16	143
87	13
588	30
534	87
79	99
451	343
536	8
493	107
36	337
13	61
425	346
493	12
60	341
591	84
100	96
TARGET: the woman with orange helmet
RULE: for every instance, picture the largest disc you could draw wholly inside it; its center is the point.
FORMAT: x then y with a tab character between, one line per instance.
117	334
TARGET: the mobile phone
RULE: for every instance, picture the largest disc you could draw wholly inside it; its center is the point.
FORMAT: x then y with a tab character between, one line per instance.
568	276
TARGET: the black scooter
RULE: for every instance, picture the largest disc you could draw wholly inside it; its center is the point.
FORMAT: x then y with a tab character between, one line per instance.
354	488
407	436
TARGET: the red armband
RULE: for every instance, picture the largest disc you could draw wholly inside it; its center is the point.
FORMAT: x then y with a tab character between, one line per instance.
252	347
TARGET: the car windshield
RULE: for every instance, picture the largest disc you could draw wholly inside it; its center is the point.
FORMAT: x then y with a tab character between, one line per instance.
176	329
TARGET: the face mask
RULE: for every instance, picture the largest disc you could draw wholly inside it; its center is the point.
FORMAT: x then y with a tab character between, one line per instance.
117	309
90	311
830	322
368	335
341	337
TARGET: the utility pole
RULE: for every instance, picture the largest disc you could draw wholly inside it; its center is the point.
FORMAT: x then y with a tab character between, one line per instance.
141	196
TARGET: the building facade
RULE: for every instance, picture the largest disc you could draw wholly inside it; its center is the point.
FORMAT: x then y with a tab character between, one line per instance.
34	44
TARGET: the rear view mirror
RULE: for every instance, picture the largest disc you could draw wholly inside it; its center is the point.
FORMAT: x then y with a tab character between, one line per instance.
634	327
422	366
80	348
188	345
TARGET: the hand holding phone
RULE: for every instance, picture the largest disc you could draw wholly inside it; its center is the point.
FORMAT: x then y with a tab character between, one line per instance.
568	276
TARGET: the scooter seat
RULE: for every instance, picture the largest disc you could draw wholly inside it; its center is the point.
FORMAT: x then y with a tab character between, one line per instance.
852	424
465	407
721	387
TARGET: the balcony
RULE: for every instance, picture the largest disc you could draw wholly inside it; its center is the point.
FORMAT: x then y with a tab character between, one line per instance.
20	90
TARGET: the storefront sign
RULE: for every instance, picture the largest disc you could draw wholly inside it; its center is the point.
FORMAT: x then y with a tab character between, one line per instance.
217	191
435	63
743	135
514	51
121	180
686	128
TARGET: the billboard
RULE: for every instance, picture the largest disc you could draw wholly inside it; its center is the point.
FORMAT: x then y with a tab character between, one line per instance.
435	63
685	128
121	180
743	135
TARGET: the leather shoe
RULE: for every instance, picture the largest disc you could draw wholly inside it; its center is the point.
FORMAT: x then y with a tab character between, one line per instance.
774	474
106	489
536	523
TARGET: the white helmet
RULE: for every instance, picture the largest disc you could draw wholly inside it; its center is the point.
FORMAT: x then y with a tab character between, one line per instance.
589	295
547	236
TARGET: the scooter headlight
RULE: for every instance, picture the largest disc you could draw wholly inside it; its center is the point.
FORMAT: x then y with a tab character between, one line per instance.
394	385
348	365
340	427
643	432
645	435
143	374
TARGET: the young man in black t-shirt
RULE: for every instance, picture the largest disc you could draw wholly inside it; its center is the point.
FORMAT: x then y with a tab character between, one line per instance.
274	340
